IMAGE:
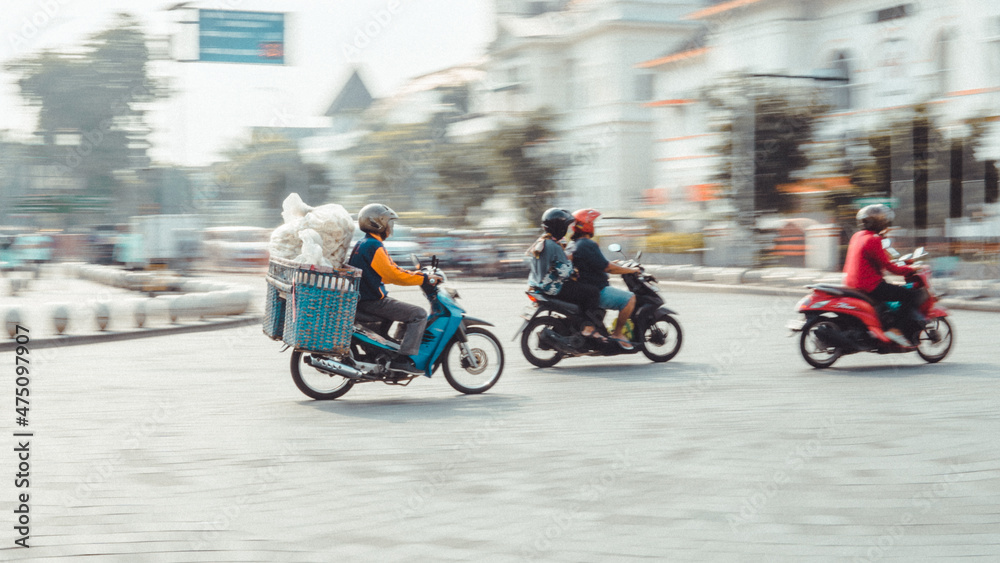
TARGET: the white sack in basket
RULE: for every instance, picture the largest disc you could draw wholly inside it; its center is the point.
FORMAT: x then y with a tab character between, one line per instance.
293	208
285	241
331	223
312	249
335	227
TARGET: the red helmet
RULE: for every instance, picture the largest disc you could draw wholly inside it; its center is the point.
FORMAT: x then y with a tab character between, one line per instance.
585	221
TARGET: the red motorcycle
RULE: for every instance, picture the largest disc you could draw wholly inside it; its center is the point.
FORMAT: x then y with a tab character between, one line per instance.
841	320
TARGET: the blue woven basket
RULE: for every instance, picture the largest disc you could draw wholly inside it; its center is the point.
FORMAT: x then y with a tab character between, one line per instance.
274	314
279	271
321	307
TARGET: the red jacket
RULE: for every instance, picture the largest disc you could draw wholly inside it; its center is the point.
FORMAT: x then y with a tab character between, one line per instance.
865	261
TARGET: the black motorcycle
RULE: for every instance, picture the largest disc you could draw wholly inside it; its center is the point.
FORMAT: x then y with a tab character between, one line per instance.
552	329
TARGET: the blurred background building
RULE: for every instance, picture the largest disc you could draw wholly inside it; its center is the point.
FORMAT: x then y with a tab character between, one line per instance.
692	120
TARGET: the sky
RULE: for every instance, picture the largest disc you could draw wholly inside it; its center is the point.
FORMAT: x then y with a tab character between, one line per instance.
388	40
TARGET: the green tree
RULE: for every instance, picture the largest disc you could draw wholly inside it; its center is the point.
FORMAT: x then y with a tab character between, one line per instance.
518	161
393	164
465	177
99	97
783	121
406	166
267	169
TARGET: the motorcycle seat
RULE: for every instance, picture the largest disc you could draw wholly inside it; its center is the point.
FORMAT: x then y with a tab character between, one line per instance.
563	306
844	292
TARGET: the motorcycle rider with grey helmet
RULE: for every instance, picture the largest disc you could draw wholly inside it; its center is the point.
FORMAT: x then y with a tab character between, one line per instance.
377	269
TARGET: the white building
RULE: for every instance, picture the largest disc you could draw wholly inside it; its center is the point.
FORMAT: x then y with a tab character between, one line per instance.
890	55
577	58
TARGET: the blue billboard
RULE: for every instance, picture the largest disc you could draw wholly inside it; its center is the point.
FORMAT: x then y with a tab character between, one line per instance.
228	36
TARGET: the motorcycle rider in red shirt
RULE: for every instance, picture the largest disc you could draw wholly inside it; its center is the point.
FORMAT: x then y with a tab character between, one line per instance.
867	259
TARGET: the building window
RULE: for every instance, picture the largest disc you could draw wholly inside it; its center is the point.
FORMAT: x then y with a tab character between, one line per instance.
841	90
893	13
571	84
644	87
993	49
513	75
943	61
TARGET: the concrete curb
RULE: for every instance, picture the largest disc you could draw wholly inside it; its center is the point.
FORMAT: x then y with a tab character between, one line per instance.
726	288
707	279
78	340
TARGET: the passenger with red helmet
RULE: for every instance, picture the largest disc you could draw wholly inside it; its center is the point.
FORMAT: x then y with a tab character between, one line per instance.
552	270
594	269
867	259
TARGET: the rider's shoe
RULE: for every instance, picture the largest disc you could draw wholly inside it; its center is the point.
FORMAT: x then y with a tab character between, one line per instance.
405	365
898	338
623	343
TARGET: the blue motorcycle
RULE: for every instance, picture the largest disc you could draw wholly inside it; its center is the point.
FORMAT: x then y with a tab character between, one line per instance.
470	356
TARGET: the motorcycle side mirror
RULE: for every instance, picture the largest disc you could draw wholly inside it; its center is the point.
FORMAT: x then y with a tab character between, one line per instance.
919	253
416	262
886	243
638	255
615	247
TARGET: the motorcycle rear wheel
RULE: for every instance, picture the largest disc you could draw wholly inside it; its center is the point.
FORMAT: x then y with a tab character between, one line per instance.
662	338
530	346
931	351
488	352
317	384
815	352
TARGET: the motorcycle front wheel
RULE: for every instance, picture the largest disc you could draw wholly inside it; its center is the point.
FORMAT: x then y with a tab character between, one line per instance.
661	339
315	383
934	340
471	377
533	350
815	351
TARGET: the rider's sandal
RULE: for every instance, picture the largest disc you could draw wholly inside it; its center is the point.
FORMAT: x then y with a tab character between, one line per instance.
623	343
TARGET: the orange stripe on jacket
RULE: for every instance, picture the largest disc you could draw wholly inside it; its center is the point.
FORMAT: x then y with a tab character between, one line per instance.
391	273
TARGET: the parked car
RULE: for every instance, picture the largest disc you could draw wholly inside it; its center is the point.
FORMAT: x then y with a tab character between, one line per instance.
237	247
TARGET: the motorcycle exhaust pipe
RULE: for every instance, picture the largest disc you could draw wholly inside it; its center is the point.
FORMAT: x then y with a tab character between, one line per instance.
548	339
334	367
834	337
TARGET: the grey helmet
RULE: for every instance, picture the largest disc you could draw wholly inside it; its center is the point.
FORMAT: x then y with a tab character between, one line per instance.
876	217
377	219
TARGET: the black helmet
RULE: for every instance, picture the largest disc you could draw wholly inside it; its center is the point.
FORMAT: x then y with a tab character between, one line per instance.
377	218
876	217
556	222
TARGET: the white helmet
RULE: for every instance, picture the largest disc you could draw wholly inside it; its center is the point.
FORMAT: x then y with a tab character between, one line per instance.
377	218
876	217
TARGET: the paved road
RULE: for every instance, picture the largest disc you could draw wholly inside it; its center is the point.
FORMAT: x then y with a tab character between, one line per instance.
198	447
